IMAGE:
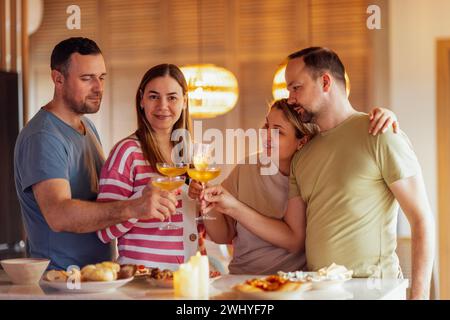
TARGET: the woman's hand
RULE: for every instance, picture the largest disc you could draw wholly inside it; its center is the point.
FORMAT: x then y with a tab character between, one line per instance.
218	198
195	190
381	119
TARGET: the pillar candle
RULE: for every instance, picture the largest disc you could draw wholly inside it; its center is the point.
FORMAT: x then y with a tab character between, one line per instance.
203	277
192	278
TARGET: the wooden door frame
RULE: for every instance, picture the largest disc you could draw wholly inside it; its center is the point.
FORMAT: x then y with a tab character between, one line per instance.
443	153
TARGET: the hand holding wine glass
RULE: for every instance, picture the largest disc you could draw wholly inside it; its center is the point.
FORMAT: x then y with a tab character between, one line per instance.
202	169
219	199
171	182
195	190
155	204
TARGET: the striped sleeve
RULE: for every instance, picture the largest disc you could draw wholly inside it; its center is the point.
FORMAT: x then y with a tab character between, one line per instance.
116	183
110	233
114	186
116	178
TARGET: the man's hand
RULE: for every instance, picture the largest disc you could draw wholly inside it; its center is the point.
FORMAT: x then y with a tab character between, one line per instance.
155	203
381	119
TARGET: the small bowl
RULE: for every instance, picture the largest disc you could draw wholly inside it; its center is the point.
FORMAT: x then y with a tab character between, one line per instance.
25	270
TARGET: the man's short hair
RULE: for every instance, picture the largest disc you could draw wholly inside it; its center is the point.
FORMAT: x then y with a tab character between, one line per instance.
319	59
60	58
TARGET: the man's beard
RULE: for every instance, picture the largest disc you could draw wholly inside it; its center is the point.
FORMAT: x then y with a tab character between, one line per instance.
305	116
85	107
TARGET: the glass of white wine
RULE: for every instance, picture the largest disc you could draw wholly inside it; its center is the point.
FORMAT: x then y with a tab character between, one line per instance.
202	169
173	180
171	170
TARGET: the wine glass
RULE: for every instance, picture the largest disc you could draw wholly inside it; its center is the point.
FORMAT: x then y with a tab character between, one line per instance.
202	170
172	181
171	170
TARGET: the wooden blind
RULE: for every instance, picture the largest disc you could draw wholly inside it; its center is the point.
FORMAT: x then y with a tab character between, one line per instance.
133	29
341	26
53	28
267	29
195	26
256	84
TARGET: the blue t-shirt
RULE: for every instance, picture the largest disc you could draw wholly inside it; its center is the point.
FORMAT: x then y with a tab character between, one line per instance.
48	148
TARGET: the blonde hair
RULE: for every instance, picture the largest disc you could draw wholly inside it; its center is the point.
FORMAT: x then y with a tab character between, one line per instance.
301	129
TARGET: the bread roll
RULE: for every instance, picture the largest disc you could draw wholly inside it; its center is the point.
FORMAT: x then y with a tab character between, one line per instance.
56	276
110	265
86	272
88	268
101	274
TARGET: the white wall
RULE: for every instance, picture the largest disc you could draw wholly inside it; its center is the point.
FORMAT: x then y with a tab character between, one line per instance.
414	27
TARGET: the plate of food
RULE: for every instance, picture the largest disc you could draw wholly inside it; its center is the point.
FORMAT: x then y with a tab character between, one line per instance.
101	277
164	278
327	278
272	287
161	278
141	271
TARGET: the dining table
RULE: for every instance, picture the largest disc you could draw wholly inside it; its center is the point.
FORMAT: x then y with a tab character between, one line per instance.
221	288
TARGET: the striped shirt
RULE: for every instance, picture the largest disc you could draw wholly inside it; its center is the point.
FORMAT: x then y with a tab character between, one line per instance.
124	176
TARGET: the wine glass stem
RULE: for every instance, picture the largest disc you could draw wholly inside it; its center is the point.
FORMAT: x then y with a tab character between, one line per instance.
170	216
203	199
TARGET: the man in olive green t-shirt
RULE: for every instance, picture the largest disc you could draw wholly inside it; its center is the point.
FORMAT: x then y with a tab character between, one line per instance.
351	182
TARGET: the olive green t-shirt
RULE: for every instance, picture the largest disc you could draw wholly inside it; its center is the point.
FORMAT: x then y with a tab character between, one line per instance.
343	175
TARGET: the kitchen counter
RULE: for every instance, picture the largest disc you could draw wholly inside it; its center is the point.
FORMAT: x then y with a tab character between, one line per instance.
220	289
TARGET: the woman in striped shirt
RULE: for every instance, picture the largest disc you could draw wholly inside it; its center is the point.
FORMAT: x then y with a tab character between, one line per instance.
162	107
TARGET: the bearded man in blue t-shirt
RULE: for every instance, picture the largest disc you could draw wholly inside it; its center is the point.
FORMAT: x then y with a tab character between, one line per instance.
57	161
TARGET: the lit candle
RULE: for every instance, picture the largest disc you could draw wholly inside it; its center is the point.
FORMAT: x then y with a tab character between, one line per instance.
192	278
185	281
202	265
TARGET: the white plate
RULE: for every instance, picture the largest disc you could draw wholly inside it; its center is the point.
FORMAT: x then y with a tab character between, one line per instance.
328	284
87	287
323	284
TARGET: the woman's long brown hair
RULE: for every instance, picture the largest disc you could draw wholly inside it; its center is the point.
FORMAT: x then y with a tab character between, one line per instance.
145	132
